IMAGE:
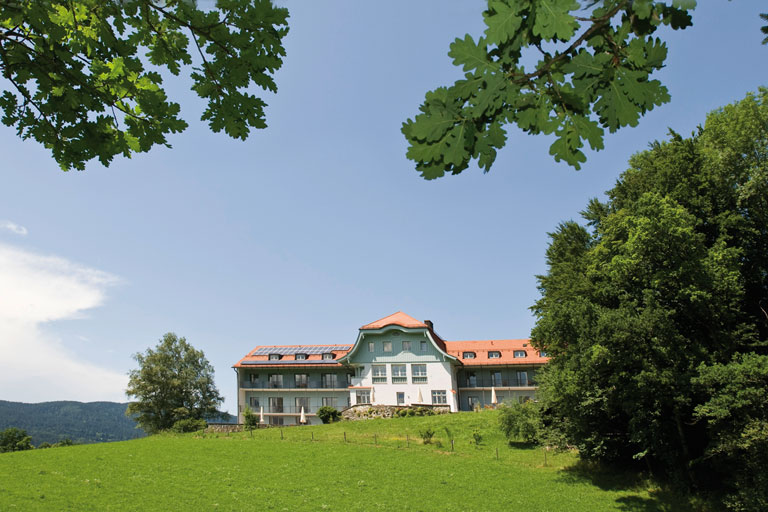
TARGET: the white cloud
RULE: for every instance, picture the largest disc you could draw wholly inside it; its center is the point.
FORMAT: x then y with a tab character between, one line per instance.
35	365
13	227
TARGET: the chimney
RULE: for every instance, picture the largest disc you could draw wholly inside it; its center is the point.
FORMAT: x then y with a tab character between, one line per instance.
429	324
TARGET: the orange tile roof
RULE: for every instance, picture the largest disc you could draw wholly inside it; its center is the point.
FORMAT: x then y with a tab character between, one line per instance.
398	318
290	359
505	347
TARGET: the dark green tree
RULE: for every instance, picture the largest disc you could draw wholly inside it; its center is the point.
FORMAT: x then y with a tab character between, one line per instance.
594	62
328	414
173	382
521	421
76	81
666	283
14	440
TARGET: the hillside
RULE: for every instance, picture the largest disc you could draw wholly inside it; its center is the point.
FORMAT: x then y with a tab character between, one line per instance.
83	423
92	422
364	465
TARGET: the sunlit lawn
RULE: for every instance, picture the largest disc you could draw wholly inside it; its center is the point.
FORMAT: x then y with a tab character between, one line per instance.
261	471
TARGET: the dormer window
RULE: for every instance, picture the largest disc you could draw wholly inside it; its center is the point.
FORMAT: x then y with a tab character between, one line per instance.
520	353
468	355
274	357
543	354
494	354
301	357
328	355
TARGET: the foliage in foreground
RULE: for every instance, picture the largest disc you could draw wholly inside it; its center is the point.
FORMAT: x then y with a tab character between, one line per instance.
655	312
595	61
173	382
77	84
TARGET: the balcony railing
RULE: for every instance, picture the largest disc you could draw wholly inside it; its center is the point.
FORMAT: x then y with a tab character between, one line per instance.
286	409
290	385
499	383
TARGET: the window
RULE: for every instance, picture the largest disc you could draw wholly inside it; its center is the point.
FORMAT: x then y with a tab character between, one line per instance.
520	353
302	401
423	346
253	379
363	397
406	346
522	378
275	404
274	357
253	403
379	373
329	380
398	374
496	379
328	355
358	371
471	379
439	397
300	357
468	355
349	379
472	402
302	380
275	380
494	354
329	401
401	399
543	354
371	346
275	420
387	346
419	373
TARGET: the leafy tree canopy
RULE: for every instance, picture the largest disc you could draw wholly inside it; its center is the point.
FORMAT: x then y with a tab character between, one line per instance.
14	440
592	72
75	81
655	310
173	382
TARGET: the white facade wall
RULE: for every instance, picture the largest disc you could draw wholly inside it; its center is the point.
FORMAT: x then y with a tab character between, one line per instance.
440	377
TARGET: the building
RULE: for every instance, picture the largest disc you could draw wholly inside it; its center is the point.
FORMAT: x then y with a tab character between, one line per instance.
397	360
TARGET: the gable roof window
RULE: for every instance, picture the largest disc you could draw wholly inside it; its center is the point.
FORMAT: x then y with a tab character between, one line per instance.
520	353
468	355
494	354
274	357
328	355
300	357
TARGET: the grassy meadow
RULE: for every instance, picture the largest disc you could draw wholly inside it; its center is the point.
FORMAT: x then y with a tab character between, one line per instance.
383	465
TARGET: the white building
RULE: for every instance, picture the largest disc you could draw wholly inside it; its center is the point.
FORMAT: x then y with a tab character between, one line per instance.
397	360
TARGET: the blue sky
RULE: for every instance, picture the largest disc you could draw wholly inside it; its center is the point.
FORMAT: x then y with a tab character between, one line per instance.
318	224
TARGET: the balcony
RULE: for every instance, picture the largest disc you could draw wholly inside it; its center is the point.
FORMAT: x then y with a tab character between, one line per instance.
291	386
497	383
286	409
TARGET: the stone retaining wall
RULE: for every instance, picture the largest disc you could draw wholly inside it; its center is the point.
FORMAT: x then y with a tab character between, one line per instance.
365	412
223	428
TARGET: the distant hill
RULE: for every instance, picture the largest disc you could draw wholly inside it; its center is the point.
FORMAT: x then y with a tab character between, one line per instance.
92	422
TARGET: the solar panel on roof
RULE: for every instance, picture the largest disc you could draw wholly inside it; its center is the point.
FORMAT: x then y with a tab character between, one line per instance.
291	361
263	351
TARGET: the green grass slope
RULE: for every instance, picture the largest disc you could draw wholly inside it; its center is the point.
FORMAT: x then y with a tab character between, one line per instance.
383	465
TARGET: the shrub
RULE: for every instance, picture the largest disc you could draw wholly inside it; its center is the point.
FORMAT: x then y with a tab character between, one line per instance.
189	425
477	437
427	435
44	445
251	419
14	440
328	414
521	421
